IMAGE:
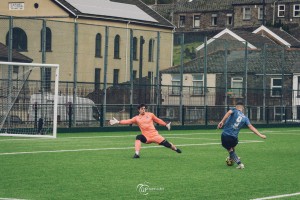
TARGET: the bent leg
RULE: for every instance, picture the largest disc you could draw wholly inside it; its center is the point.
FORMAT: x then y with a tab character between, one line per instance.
138	140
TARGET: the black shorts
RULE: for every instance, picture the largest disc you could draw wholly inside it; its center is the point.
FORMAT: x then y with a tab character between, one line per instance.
228	141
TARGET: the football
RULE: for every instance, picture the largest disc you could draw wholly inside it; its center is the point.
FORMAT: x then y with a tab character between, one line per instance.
229	161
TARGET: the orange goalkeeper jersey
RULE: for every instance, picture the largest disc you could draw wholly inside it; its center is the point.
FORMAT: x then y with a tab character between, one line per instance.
145	123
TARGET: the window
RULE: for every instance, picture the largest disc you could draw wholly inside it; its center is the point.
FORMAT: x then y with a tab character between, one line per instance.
151	50
196	21
279	113
198	84
98	45
214	18
48	39
149	75
97	78
19	39
281	10
116	77
176	84
117	47
134	72
237	86
296	10
276	86
246	13
135	41
181	21
16	69
260	13
229	19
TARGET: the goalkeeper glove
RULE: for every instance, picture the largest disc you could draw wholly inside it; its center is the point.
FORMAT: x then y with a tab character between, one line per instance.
113	121
169	126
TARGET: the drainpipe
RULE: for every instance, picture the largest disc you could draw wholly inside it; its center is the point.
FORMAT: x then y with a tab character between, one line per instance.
126	52
274	9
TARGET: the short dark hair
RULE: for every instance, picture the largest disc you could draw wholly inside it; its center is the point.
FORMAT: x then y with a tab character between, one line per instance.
141	105
239	103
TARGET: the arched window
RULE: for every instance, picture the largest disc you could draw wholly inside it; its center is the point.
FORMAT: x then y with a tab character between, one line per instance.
117	47
19	39
151	50
98	45
48	39
134	48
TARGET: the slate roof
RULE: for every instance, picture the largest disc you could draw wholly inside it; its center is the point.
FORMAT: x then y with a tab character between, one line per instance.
254	39
16	56
286	36
274	64
74	11
295	32
203	5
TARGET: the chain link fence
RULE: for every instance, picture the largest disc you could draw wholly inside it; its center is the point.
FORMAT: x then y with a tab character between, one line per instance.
119	68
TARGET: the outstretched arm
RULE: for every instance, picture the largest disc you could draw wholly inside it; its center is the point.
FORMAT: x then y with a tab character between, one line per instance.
127	121
220	125
254	130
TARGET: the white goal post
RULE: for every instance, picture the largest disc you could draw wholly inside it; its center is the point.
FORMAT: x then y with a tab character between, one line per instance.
29	98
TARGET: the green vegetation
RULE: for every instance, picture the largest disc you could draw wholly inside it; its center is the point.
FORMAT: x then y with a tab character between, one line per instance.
100	166
189	52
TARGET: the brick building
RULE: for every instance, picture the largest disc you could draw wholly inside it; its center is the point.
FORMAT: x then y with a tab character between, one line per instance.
203	15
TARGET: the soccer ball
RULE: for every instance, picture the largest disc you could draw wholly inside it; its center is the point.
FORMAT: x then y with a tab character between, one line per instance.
229	161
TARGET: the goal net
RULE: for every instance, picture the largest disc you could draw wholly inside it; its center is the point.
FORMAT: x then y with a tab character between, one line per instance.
28	97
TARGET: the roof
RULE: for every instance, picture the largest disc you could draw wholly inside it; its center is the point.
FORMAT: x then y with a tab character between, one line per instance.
134	11
295	32
236	62
16	56
111	9
253	41
280	35
196	5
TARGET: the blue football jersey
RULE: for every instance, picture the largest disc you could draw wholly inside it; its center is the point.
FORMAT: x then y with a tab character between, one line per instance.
235	122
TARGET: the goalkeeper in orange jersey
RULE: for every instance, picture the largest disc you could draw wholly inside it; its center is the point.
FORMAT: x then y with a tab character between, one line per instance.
149	134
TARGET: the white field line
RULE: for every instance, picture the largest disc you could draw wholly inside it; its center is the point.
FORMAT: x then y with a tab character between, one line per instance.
165	135
278	196
10	199
114	148
187	138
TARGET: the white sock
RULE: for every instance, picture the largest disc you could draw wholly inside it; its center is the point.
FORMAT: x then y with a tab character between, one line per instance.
137	152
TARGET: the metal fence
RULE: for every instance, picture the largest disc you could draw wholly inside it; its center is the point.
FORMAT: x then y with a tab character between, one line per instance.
208	75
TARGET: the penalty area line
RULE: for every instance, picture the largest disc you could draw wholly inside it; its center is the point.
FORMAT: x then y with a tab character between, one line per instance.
278	196
114	148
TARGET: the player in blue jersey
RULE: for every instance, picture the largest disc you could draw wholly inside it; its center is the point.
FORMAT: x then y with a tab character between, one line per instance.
232	122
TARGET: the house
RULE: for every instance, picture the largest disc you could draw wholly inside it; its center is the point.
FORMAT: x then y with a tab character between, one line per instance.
196	15
268	12
260	68
91	40
215	15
